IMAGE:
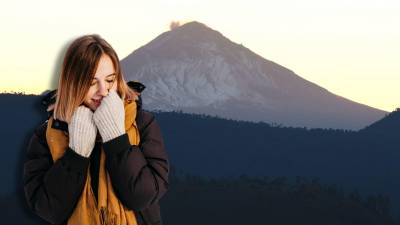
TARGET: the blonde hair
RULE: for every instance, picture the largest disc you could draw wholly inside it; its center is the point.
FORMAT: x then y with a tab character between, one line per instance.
78	69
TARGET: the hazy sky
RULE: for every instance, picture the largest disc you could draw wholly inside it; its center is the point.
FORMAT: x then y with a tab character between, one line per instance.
351	48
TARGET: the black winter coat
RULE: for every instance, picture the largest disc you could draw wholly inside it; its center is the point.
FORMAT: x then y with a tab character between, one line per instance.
139	174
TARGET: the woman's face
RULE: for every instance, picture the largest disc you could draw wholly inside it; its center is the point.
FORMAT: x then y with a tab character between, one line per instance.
104	81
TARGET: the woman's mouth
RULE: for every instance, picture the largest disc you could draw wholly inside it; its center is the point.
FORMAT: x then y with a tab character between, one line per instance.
96	102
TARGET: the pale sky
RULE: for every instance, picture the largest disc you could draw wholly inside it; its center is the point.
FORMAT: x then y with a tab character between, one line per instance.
351	48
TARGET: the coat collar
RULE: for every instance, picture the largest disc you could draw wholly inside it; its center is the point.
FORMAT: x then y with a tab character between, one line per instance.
59	124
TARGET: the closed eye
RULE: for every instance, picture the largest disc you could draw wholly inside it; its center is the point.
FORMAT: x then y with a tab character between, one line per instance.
109	81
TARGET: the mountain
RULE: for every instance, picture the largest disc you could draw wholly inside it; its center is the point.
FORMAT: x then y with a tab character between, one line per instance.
196	69
366	160
390	124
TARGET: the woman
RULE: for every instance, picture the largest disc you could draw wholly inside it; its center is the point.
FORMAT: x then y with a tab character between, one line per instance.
99	158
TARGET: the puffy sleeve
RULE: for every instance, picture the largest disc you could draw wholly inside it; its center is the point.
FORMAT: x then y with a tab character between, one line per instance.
139	174
52	189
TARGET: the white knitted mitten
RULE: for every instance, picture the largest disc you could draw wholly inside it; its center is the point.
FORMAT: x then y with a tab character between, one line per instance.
82	131
109	117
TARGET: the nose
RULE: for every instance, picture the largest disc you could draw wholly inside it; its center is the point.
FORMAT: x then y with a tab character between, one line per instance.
103	89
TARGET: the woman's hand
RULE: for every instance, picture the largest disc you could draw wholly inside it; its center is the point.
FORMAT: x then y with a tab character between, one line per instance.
109	117
82	131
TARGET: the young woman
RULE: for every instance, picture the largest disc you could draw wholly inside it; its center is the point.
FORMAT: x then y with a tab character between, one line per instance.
99	158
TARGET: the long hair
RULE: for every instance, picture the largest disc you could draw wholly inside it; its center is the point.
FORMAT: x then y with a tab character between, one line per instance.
78	69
